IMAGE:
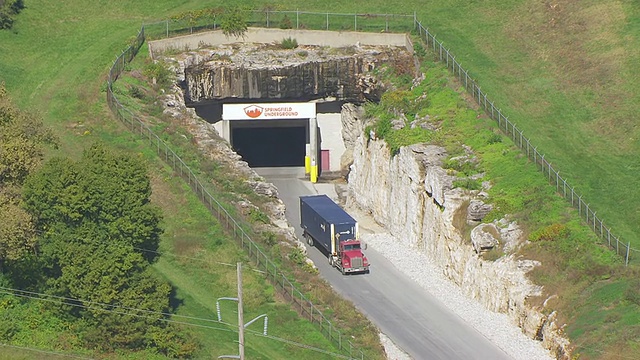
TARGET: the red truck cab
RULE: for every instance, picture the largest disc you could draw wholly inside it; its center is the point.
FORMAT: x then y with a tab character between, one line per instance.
349	258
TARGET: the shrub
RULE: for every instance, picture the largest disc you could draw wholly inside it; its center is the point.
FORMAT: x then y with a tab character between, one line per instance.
270	238
494	138
257	216
551	232
286	23
8	10
397	101
233	22
418	50
297	256
383	127
289	43
158	72
468	183
136	92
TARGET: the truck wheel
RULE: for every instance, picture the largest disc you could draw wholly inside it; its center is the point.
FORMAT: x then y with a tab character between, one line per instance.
330	260
309	240
343	271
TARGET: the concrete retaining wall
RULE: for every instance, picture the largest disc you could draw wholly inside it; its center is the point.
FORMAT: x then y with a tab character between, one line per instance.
263	35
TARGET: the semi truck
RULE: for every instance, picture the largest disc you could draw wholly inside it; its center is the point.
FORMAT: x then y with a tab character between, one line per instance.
327	226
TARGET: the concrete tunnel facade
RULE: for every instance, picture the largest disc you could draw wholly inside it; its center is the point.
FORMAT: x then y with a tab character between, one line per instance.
295	134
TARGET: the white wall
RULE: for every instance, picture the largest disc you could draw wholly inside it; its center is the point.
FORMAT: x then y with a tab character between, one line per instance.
331	132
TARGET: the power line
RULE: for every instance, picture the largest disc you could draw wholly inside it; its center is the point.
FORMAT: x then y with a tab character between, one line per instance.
61	300
34	295
165	253
45	351
79	303
305	346
65	299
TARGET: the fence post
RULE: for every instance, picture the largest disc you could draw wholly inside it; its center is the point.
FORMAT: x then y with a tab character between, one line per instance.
587	213
297	19
355	22
626	262
580	205
415	20
434	42
327	21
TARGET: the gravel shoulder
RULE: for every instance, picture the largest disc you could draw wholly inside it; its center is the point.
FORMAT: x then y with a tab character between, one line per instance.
494	326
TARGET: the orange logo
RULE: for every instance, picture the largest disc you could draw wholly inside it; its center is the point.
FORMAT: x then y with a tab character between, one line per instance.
253	111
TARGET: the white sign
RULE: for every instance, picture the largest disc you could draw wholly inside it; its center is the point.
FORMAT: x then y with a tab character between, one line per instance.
267	111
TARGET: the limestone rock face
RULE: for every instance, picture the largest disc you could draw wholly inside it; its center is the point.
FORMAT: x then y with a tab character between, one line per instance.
477	210
413	197
352	118
483	238
262	71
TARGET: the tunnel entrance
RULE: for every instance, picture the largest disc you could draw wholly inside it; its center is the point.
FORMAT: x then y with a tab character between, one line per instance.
270	146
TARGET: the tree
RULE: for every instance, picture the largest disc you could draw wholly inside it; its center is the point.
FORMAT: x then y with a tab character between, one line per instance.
8	10
17	234
99	236
106	189
23	137
233	22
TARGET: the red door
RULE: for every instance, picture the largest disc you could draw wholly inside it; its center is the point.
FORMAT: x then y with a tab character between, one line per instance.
324	160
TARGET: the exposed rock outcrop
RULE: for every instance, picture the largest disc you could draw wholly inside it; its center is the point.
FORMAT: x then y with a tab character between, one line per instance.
352	118
260	71
477	210
413	197
410	193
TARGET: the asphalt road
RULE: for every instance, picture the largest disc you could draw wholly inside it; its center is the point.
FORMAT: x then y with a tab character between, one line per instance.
413	319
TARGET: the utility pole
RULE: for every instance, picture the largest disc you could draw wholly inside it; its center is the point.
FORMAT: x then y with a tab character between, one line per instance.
240	314
241	324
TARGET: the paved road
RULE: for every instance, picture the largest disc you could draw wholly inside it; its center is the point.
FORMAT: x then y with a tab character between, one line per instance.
414	320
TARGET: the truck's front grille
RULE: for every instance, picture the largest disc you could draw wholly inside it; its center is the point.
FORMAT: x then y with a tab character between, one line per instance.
356	262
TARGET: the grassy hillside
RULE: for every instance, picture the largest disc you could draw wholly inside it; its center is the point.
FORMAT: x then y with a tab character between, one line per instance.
55	63
564	71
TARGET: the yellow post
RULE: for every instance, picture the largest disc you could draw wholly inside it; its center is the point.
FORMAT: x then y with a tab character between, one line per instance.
314	173
307	164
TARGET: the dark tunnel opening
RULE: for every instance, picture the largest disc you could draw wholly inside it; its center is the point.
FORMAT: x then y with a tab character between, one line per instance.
270	147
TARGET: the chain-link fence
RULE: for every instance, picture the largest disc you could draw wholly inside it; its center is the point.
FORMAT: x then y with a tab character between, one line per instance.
333	21
261	260
587	213
285	20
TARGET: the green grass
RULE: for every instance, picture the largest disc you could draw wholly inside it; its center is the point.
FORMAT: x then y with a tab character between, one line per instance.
64	55
200	262
224	185
567	75
598	297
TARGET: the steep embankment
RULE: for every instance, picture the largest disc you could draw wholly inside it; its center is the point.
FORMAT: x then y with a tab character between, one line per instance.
412	195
